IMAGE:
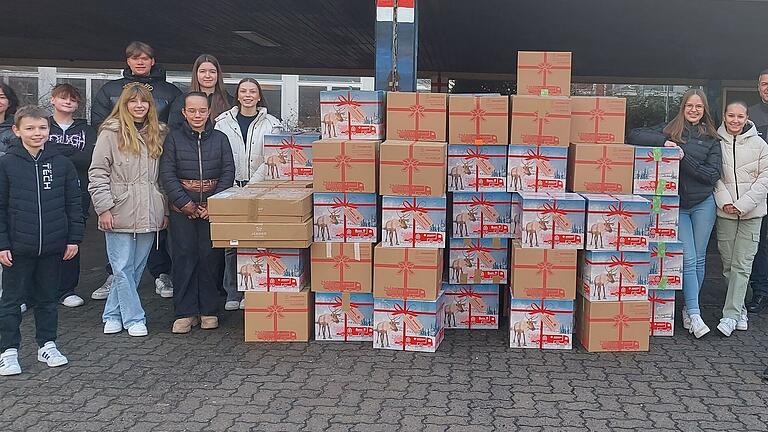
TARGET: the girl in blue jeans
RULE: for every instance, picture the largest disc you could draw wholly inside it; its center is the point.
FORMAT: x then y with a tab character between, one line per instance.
694	132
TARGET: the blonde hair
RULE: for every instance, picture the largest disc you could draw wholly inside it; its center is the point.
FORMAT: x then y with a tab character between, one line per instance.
130	138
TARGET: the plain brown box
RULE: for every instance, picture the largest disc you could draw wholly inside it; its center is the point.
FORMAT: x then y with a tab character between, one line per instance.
416	116
478	119
412	168
251	244
345	165
423	269
544	73
278	316
256	205
329	260
598	325
598	119
588	163
529	269
540	120
273	231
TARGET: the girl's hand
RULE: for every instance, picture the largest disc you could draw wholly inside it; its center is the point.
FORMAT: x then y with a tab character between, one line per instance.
105	221
5	258
731	209
70	252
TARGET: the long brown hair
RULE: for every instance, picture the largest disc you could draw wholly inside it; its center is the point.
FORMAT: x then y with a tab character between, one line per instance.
129	140
706	125
220	101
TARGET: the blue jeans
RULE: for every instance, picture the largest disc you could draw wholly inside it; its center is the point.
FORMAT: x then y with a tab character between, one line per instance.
128	256
695	229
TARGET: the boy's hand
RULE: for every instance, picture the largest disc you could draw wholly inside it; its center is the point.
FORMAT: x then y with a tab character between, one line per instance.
105	221
70	252
202	213
164	225
5	258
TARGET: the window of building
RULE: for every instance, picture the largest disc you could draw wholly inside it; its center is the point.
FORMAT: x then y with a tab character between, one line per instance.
25	88
309	107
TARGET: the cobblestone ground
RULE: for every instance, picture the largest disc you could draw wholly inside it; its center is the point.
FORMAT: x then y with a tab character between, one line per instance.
213	381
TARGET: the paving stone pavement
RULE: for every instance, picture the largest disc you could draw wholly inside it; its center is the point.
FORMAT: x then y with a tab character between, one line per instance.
212	381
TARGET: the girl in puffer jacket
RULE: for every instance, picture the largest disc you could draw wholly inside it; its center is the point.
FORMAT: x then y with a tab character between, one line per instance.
740	195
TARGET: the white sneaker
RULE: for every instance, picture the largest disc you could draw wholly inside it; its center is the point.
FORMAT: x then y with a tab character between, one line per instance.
137	329
696	326
9	362
73	301
51	356
23	308
726	326
164	286
242	304
112	327
741	324
102	292
232	305
686	319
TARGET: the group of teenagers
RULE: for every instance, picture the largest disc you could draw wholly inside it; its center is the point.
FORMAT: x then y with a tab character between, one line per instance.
152	157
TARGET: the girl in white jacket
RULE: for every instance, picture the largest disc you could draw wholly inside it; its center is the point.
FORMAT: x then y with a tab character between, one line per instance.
740	195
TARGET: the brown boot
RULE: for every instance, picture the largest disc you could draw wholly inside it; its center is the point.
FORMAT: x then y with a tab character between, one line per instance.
209	322
184	325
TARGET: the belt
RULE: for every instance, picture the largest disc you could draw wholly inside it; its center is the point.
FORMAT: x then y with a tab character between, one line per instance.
199	186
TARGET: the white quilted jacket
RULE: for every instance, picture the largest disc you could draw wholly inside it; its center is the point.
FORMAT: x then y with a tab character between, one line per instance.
744	178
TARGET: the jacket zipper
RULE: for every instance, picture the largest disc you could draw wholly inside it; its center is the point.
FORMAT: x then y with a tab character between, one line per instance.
39	210
200	165
736	179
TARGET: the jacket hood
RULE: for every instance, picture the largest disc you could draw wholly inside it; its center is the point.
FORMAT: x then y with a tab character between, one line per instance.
76	126
157	73
232	113
187	130
5	125
748	132
17	149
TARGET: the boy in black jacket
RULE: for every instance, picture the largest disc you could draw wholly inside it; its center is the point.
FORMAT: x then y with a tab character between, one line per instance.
41	223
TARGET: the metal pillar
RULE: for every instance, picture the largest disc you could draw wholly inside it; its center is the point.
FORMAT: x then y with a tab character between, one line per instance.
396	44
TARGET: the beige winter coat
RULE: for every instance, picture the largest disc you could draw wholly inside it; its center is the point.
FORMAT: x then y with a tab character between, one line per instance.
744	178
126	184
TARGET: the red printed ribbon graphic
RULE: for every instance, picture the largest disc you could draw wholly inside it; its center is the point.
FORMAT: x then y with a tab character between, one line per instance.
411	164
619	321
605	164
541	120
545	68
662	253
297	153
273	257
545	268
597	115
536	156
342	161
346	206
470	293
276	312
543	313
656	156
654	301
417	112
407	315
337	303
342	262
348	104
478	249
405	268
477	116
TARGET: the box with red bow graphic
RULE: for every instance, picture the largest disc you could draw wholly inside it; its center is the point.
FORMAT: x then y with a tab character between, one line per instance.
540	120
662	312
666	268
541	323
612	325
344	317
477	168
345	217
345	166
482	215
533	168
657	170
602	233
478	119
342	267
412	168
471	307
543	273
417	222
632	217
478	261
417	116
278	270
408	325
600	168
665	217
544	73
352	114
289	156
278	316
415	274
550	220
614	275
598	119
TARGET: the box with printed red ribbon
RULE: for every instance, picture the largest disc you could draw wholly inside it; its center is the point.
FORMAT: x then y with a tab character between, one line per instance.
543	273
533	168
473	307
344	317
614	275
665	217
478	261
412	168
477	168
544	73
550	220
289	156
632	217
352	114
539	120
278	316
478	119
598	119
271	270
612	326
345	217
666	267
411	273
408	325
417	116
417	222
541	323
341	267
657	170
345	166
662	312
600	168
482	215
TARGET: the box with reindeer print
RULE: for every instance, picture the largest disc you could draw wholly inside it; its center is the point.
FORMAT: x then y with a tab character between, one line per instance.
482	215
471	307
665	217
345	217
272	270
344	317
408	325
532	168
478	261
417	222
352	114
541	323
614	275
550	220
479	168
633	222
289	156
601	222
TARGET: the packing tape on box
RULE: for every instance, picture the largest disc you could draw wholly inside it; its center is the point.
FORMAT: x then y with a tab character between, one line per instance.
345	302
329	250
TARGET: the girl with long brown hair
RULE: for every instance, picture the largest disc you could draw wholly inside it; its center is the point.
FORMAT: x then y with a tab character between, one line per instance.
207	78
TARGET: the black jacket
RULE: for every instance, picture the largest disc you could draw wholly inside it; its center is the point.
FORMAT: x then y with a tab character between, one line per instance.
76	143
189	155
759	115
163	92
176	118
6	134
700	165
40	202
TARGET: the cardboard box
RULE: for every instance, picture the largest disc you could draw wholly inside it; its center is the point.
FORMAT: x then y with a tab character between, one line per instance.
598	119
554	221
540	120
478	119
416	116
281	184
657	170
478	261
400	273
342	267
532	168
600	168
601	227
252	244
260	205
543	273
542	324
352	114
417	222
278	270
608	276
289	156
613	326
665	271
662	313
251	231
632	222
473	307
408	325
278	316
344	317
665	217
543	73
345	217
412	168
482	215
477	168
345	166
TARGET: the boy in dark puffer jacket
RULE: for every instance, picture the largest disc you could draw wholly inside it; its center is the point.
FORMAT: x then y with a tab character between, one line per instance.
41	223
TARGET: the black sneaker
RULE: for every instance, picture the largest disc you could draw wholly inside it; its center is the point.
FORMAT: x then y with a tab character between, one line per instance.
765	374
758	304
